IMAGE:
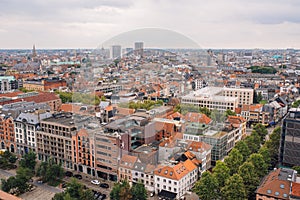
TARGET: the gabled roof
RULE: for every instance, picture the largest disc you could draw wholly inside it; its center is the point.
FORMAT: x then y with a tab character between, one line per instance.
128	161
176	172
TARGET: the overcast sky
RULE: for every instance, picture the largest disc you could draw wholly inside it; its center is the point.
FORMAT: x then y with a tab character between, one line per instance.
88	23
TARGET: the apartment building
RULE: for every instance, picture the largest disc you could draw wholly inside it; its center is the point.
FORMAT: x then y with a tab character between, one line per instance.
84	154
143	173
7	133
54	138
26	125
255	114
126	166
108	149
173	181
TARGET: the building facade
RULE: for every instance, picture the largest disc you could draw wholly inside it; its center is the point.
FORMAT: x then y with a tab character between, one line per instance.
289	154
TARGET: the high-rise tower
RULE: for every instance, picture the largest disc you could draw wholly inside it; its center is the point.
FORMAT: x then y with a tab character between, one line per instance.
33	51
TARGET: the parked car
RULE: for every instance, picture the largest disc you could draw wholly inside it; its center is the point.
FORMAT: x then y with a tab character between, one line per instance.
104	185
102	196
78	176
69	174
95	182
97	195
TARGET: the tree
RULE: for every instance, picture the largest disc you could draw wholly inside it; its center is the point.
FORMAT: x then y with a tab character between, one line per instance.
139	191
229	112
74	188
250	178
217	116
7	160
234	188
262	131
205	111
115	192
75	191
242	147
259	164
253	142
86	195
59	196
221	173
234	160
125	192
18	182
273	145
206	187
264	151
50	172
257	97
297	168
29	161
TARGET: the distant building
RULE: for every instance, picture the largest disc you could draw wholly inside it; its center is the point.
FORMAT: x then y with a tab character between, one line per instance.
116	51
8	84
44	84
289	154
139	48
220	98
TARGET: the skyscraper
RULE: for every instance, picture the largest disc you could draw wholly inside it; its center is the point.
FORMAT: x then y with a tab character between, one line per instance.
289	154
115	51
139	48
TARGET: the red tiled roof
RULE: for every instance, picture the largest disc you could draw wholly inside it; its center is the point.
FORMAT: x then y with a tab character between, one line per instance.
7	196
295	189
11	94
42	97
197	117
177	171
272	184
197	146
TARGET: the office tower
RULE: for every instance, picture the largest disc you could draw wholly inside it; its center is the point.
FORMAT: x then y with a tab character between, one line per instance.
115	51
139	48
289	154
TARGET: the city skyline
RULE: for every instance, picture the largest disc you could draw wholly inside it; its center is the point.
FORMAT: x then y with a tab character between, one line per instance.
74	24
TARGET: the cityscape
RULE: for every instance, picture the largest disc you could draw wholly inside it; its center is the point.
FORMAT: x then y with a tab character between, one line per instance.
149	113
